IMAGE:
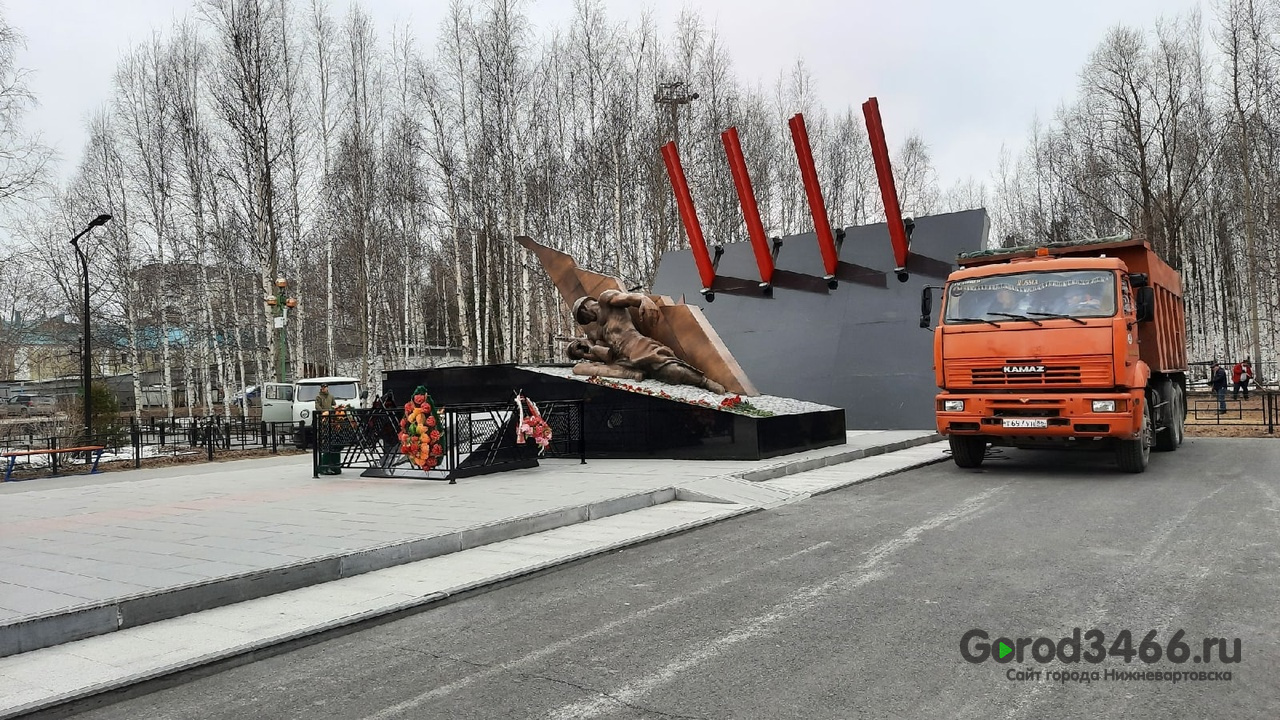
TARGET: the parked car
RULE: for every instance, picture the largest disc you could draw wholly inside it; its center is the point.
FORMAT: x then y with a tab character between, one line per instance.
31	405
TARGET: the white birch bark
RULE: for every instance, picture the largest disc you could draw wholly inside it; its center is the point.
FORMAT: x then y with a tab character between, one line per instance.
322	38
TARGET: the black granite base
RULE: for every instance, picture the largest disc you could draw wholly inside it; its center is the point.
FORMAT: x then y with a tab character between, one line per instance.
623	424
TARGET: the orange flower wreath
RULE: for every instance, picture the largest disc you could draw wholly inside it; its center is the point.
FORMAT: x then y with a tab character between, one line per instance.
421	432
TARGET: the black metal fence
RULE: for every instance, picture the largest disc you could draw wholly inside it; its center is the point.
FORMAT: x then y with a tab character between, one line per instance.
478	438
135	443
566	419
1261	409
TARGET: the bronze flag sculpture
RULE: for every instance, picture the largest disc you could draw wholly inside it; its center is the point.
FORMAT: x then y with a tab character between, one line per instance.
659	339
613	342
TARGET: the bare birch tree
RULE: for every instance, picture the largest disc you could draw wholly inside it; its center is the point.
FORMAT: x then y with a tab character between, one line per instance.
23	157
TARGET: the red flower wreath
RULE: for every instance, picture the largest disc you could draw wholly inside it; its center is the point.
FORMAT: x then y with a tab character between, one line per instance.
532	426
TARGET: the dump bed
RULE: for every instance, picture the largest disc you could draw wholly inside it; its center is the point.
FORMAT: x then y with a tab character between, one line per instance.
1162	341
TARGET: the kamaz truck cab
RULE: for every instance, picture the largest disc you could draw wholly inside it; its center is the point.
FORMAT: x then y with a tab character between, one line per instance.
1074	345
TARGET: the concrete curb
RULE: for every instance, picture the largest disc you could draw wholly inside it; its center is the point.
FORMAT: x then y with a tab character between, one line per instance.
316	632
877	476
34	633
799	466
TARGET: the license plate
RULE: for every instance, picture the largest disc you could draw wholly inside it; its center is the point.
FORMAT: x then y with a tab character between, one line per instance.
1026	422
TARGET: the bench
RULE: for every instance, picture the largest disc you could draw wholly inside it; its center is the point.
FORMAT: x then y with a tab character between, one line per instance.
53	453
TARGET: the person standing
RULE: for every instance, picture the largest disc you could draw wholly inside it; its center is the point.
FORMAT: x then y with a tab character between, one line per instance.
1218	381
384	426
1241	375
330	451
324	401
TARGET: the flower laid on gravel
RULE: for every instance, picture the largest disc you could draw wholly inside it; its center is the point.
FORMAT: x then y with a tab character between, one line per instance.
693	396
735	403
759	405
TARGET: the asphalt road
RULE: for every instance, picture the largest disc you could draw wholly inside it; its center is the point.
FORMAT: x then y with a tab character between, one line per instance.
849	605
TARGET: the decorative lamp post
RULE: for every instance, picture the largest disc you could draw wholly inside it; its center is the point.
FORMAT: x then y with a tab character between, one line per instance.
86	357
282	305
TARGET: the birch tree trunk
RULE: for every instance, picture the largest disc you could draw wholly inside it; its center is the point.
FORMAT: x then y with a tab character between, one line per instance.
293	137
322	37
146	100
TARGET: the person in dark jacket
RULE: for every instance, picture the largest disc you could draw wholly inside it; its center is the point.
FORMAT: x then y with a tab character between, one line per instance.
324	401
385	426
1218	381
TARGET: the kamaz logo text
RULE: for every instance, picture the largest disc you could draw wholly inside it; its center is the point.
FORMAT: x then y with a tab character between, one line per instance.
1011	369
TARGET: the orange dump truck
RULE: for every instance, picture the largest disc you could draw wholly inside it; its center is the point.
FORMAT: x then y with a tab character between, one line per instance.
1079	345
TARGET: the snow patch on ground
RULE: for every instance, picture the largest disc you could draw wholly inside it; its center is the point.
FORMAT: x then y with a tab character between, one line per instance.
692	395
39	462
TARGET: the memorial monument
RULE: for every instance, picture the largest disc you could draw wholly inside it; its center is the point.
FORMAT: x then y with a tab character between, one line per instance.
655	379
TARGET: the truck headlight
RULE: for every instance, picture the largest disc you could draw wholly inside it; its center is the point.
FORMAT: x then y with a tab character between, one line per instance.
1101	406
953	405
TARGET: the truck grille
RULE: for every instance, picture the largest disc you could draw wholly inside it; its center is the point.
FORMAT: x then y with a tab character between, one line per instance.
1023	412
1060	372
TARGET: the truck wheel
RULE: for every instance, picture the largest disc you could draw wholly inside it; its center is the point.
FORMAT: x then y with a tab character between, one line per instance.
1168	439
1181	396
1133	455
300	439
968	450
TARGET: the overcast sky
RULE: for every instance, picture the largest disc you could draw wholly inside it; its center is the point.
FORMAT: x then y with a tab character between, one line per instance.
968	75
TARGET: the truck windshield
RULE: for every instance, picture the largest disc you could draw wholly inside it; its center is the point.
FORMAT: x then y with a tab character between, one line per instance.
339	391
1032	296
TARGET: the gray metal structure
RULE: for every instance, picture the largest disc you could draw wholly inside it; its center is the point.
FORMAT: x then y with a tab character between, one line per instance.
859	347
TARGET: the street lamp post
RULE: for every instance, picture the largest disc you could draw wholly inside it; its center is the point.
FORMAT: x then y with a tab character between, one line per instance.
86	359
282	305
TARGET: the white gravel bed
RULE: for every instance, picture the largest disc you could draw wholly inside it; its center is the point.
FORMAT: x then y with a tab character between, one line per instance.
692	395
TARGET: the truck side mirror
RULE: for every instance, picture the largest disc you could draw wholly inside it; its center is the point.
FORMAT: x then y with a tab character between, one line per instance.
926	305
364	395
1146	299
1139	280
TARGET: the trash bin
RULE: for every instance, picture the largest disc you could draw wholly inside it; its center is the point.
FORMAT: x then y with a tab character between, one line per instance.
331	461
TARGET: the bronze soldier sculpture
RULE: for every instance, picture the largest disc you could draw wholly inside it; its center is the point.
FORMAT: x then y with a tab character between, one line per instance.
615	348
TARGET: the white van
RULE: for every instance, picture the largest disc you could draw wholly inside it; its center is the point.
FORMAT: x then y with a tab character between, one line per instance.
296	403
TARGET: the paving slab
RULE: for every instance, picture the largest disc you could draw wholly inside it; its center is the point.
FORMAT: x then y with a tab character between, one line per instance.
89	555
56	676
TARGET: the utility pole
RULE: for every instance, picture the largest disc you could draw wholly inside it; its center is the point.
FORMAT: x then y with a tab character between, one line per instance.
673	94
